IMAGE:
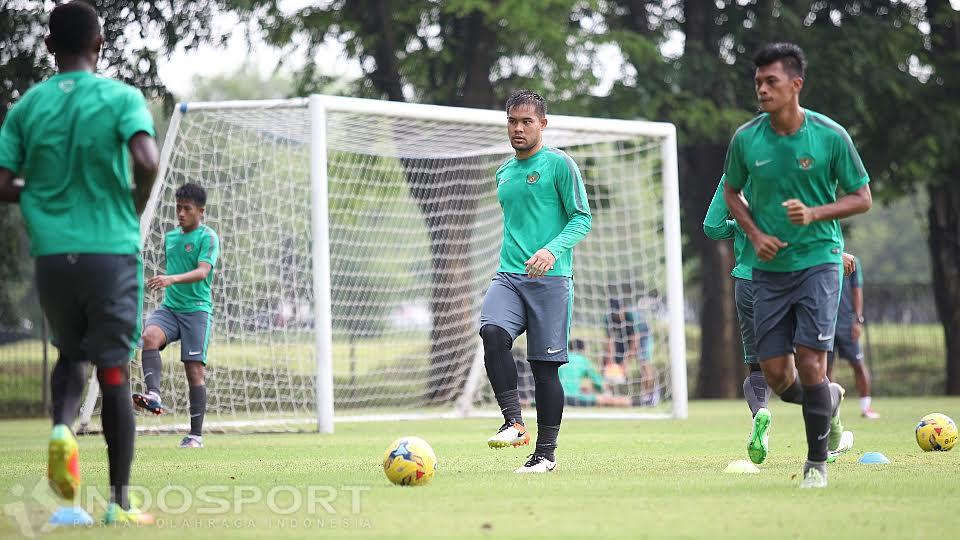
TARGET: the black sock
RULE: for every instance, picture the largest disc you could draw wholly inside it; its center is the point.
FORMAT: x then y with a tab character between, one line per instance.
119	428
198	407
816	417
794	394
550	399
66	390
755	391
152	370
502	371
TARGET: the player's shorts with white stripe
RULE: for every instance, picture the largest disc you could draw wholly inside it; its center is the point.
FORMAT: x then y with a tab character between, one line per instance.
541	307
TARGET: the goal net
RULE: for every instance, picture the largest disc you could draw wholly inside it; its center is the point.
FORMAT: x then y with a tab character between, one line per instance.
358	238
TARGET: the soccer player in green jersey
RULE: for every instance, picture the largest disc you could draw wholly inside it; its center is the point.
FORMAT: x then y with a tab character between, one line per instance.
718	225
545	214
795	159
72	138
849	327
186	315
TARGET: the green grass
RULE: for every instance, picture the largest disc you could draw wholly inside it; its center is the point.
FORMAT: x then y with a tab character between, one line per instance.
616	479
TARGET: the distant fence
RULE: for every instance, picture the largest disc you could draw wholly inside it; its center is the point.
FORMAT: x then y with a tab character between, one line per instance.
903	345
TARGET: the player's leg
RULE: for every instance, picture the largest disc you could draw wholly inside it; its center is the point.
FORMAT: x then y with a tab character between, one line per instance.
817	297
774	325
61	306
831	356
195	330
161	329
549	303
502	319
851	351
113	308
756	391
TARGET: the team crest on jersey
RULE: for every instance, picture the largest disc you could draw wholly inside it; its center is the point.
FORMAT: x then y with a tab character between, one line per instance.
66	86
805	162
533	177
188	248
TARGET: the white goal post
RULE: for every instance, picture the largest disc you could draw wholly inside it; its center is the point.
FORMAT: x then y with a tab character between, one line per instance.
357	240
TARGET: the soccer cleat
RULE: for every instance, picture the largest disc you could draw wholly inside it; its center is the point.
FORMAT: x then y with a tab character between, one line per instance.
813	478
70	516
63	465
148	402
537	464
846	444
759	443
836	426
869	413
510	434
118	516
191	441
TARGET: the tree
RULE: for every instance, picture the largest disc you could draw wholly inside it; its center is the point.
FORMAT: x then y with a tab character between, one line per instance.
462	53
938	151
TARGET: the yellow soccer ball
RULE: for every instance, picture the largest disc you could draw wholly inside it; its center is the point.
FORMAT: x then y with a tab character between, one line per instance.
936	432
409	461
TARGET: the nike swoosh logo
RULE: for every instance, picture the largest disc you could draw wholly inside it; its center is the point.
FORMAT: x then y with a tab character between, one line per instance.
192	353
824	436
553	351
759	163
196	415
821	337
501	182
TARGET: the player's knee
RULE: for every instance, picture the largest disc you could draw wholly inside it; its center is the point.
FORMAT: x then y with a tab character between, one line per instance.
112	376
495	338
545	371
195	373
152	338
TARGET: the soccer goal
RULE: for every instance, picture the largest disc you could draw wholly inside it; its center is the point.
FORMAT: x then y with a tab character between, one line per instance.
358	238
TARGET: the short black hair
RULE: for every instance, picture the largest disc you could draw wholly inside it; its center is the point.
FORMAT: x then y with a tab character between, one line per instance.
192	192
790	55
527	97
73	27
577	345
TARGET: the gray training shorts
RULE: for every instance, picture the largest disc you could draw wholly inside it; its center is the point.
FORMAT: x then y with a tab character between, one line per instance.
796	308
743	294
846	347
541	307
191	329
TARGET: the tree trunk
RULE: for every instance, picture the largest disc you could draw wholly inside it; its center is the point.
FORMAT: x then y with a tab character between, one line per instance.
721	361
448	201
944	239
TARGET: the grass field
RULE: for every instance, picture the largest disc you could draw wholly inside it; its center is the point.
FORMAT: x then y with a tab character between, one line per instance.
616	479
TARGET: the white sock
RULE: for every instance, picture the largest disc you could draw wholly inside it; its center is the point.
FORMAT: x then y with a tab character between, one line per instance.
864	403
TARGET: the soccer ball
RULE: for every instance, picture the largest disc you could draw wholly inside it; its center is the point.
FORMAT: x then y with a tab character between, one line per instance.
409	461
936	432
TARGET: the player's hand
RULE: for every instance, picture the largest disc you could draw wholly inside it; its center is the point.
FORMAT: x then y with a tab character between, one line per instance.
849	263
159	282
541	263
856	330
766	246
797	212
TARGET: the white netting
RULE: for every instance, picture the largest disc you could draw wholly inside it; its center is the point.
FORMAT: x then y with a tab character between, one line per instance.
415	231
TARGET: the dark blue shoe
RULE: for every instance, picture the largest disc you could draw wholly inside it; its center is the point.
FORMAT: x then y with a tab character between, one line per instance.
148	402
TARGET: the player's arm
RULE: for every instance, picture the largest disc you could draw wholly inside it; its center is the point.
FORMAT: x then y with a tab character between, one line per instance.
852	177
135	128
595	377
735	178
206	259
146	162
10	187
573	196
856	292
198	274
11	157
715	224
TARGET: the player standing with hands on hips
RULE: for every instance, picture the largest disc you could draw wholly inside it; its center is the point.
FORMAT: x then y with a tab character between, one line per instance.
545	214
